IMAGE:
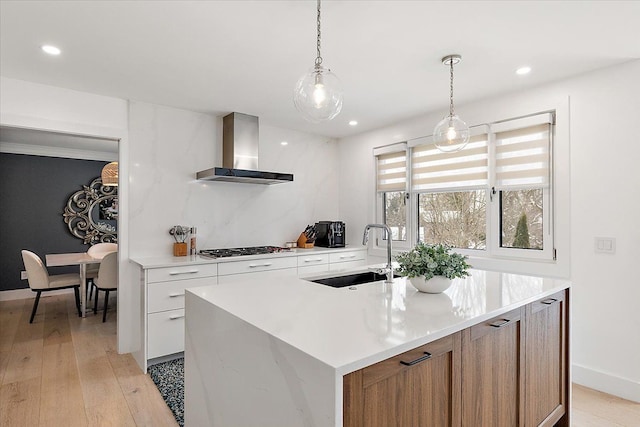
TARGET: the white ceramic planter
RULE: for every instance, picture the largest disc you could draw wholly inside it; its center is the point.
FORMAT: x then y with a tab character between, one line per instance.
435	285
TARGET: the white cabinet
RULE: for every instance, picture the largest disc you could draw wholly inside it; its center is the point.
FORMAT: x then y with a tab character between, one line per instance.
312	263
236	271
165	305
348	259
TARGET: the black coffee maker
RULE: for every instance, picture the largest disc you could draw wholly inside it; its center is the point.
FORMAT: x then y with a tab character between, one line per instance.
331	234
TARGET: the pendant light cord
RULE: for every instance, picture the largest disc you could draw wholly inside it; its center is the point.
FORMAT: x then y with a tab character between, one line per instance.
319	57
451	89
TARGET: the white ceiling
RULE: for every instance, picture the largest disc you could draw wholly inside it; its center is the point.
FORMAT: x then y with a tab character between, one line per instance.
246	56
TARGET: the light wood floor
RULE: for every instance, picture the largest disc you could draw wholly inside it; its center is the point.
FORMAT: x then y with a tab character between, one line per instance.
65	371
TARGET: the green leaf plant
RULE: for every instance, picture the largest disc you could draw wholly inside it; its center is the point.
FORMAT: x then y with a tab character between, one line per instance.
432	260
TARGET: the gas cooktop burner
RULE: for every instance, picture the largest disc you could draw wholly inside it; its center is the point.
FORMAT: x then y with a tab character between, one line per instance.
252	250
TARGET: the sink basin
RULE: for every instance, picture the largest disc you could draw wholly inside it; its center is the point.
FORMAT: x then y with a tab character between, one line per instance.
352	279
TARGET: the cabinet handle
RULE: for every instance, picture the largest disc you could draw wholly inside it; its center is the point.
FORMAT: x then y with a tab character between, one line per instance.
418	360
176	295
347	256
313	260
175	273
176	316
266	264
499	323
549	301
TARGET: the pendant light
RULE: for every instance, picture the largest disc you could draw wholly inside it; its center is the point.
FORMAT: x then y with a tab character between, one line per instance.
451	133
110	174
318	94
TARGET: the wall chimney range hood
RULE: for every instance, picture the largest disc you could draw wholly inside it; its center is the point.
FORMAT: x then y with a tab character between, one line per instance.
240	154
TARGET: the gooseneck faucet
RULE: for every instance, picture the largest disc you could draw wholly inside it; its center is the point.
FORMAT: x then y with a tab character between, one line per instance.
365	237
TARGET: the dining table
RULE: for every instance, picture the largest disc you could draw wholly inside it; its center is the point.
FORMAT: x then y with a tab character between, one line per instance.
81	259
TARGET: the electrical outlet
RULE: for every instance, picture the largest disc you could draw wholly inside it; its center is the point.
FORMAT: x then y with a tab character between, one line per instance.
23	275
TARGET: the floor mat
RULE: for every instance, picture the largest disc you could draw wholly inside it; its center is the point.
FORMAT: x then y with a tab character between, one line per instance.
169	378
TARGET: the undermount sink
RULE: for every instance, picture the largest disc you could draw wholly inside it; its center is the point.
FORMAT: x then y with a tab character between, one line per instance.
352	279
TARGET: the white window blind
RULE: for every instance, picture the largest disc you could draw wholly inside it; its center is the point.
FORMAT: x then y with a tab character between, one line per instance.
391	165
433	170
523	157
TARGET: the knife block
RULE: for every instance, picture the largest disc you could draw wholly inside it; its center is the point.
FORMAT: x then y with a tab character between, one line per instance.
179	249
302	242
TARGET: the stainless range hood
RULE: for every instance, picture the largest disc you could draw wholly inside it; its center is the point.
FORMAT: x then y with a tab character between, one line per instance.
240	154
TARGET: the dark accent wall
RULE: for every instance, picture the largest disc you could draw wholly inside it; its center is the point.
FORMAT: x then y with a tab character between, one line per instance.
33	193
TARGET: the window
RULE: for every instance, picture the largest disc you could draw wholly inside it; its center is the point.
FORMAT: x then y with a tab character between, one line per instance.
395	214
391	186
521	219
493	198
458	219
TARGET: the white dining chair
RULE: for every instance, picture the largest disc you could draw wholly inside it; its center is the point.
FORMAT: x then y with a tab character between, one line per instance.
106	281
98	250
41	281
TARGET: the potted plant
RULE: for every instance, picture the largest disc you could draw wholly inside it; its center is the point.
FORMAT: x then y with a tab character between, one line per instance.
432	268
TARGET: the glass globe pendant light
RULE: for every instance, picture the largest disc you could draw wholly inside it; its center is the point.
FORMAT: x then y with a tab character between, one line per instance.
451	133
318	94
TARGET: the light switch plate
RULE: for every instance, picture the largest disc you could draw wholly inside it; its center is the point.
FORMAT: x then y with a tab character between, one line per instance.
605	245
23	275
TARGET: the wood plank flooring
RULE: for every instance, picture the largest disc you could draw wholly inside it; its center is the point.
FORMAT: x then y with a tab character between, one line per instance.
65	371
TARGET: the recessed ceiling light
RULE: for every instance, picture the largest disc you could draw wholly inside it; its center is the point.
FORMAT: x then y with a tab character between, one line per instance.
523	70
284	143
51	50
353	123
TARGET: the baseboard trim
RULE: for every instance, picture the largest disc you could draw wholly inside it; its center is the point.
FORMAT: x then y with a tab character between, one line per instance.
27	293
606	382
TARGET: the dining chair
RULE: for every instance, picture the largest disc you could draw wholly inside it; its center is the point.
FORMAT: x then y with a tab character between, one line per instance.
106	281
41	281
98	250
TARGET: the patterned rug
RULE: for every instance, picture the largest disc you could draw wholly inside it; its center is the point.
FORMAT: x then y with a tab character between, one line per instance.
169	378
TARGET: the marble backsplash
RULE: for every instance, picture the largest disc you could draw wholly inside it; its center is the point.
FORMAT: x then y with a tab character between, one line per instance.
168	146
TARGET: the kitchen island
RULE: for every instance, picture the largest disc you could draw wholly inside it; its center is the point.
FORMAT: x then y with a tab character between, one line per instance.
491	350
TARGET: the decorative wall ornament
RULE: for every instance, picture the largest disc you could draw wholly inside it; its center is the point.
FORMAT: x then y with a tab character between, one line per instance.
92	213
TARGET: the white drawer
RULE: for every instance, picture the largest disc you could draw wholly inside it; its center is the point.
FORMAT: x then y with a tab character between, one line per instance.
166	274
339	266
231	278
312	269
261	264
307	260
163	296
347	256
165	333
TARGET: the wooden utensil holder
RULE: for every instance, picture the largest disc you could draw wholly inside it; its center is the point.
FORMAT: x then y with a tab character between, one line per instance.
302	242
179	249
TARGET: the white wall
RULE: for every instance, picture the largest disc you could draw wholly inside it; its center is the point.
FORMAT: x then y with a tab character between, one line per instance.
602	199
169	146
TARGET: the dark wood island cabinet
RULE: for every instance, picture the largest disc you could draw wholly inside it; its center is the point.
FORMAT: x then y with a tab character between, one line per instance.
508	371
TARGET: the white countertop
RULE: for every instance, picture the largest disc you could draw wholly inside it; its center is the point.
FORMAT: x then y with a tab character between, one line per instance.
172	261
350	329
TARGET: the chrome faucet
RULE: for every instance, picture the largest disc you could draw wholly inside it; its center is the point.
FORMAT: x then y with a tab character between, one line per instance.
365	237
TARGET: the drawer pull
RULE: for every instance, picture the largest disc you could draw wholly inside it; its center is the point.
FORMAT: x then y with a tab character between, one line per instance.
176	316
418	360
313	260
176	295
549	301
499	323
266	264
347	256
175	273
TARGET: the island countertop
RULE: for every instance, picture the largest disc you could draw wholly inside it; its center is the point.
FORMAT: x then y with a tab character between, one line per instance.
348	329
